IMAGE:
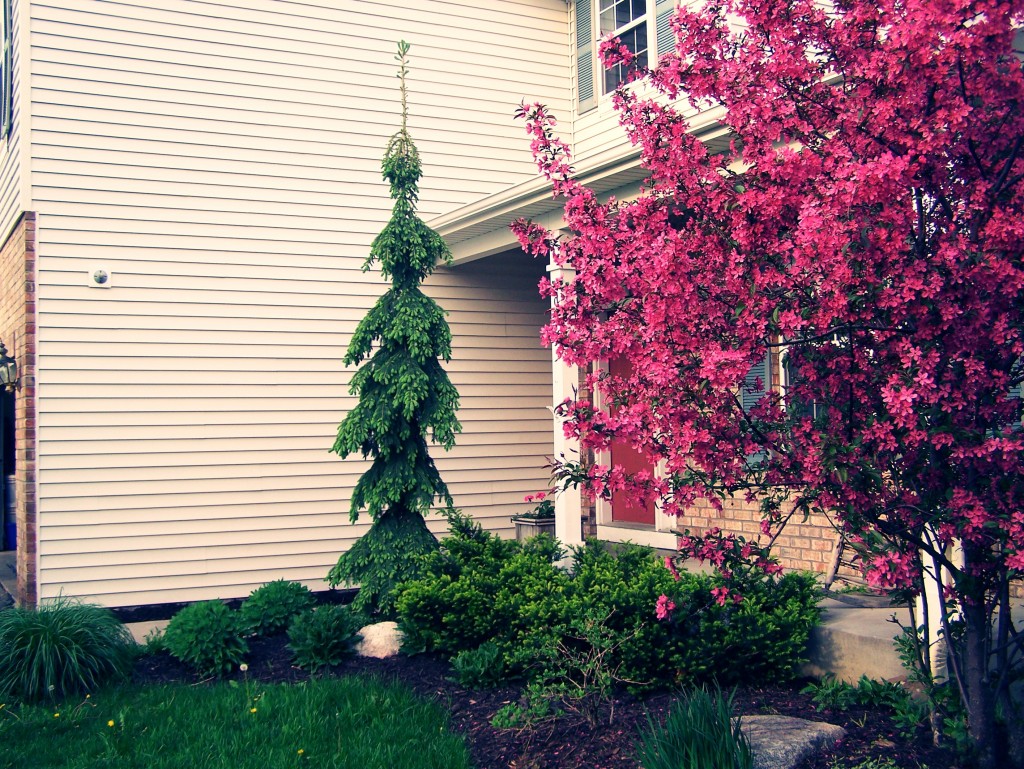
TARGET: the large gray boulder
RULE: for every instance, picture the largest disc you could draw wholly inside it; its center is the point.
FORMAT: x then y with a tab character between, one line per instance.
782	742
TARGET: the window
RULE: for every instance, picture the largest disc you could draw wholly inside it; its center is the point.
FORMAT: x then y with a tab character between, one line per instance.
626	20
641	25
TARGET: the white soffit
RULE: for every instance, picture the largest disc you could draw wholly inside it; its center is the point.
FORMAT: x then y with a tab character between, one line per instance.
482	228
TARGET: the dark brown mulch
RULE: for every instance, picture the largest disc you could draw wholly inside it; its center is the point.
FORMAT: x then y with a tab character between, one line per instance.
570	742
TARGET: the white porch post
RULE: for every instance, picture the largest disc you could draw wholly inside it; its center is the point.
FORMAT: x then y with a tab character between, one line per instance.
564	379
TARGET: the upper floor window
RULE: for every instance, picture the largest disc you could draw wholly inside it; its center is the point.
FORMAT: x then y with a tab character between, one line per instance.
640	25
626	20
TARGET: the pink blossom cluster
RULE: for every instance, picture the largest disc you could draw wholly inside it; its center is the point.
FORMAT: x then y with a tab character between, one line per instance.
664	607
864	229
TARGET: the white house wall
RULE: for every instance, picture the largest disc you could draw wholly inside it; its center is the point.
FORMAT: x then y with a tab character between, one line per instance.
12	146
222	163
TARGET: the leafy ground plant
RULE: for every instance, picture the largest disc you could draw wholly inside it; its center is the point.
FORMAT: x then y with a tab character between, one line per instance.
481	667
208	636
269	609
323	637
349	723
699	733
61	648
907	713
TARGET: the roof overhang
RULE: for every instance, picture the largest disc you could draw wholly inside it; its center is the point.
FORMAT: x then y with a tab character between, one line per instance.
482	228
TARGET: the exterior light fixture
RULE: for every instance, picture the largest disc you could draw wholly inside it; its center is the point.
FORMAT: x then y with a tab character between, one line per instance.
8	370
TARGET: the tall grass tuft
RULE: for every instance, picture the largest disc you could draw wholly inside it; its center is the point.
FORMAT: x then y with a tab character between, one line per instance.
61	648
699	733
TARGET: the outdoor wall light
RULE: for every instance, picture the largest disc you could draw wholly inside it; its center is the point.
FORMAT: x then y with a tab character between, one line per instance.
8	370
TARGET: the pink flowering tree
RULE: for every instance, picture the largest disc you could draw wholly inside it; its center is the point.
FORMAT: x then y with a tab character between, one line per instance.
864	234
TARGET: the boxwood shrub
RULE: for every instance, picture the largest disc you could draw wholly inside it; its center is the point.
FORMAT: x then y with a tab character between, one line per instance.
479	588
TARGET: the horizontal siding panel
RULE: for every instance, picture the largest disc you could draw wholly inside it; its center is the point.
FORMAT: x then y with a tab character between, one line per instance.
189	504
72	440
198	556
219	454
253	521
119	477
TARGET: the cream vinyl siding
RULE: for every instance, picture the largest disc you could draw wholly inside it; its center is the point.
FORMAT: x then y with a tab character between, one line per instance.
12	146
222	163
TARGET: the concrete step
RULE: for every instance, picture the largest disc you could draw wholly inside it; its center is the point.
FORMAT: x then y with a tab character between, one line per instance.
854	640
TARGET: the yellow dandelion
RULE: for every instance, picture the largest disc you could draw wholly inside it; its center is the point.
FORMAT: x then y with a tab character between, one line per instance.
252	710
88	696
110	723
301	751
56	715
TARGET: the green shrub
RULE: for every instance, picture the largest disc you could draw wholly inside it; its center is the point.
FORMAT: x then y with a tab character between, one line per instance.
479	588
269	609
479	668
323	636
208	636
62	647
699	733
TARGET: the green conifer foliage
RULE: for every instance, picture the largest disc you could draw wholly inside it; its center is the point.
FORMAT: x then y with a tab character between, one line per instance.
405	395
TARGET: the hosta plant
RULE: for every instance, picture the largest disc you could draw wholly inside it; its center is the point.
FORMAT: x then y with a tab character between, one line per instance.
208	636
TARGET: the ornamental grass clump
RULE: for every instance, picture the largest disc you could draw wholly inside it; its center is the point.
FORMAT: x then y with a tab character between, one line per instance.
271	608
700	732
61	648
208	636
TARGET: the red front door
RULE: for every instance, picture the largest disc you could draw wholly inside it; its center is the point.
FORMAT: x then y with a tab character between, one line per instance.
625	507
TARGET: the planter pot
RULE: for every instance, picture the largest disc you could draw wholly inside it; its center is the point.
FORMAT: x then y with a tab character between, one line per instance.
530	527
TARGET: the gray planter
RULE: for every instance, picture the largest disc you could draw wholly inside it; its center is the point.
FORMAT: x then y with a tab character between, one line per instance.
527	527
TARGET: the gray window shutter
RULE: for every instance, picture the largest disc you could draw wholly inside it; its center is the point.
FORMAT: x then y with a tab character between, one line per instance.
751	394
585	55
7	76
663	10
1015	393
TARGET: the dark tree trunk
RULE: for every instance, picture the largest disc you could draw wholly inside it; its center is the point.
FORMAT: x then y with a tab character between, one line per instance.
980	701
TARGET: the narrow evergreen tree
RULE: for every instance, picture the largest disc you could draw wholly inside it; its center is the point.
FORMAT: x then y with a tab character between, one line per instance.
404	393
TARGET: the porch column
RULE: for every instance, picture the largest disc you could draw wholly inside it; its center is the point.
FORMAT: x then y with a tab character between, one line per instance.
565	380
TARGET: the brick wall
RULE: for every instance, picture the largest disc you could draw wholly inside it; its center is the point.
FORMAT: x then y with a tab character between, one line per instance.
802	544
18	333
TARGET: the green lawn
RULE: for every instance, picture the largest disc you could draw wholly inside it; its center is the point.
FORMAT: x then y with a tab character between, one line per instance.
350	723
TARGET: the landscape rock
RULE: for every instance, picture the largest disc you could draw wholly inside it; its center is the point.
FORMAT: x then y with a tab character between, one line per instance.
381	640
782	742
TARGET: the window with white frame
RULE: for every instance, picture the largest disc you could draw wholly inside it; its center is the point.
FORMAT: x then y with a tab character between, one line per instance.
626	20
640	25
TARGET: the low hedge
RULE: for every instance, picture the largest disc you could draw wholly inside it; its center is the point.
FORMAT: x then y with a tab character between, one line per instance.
480	589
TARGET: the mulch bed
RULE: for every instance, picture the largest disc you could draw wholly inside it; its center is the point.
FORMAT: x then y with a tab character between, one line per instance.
569	742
